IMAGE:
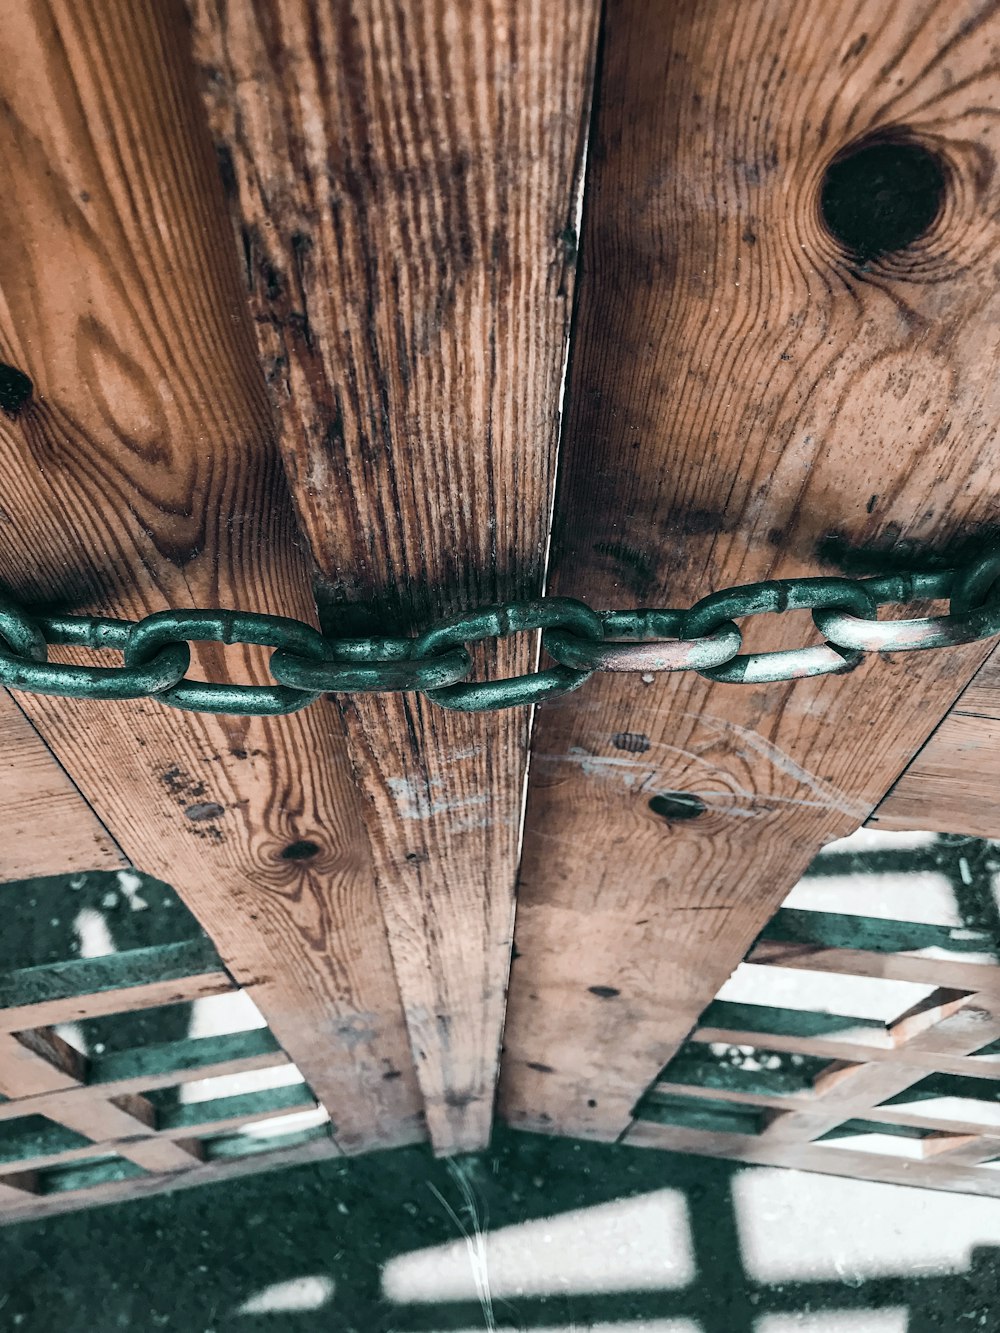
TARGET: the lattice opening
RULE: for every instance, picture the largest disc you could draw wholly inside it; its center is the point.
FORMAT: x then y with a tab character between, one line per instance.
128	1056
86	1175
742	1068
696	1112
36	1136
871	1136
172	1114
861	1035
954	1098
266	1137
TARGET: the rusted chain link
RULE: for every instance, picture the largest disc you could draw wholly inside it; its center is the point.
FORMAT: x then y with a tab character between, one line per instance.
305	664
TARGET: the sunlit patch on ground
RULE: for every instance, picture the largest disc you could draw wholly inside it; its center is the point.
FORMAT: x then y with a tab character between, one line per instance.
633	1245
301	1293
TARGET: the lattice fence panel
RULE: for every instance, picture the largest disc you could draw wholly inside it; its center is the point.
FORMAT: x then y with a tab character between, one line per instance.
861	1037
138	1068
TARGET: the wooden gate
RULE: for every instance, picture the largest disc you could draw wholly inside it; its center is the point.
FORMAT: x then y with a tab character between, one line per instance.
399	310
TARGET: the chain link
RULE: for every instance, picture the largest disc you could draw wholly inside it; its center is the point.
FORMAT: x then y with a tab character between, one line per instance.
168	628
25	665
545	613
304	664
777	596
659	646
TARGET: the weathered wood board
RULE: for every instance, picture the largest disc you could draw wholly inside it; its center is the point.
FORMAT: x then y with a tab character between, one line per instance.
749	397
953	783
48	828
405	185
141	471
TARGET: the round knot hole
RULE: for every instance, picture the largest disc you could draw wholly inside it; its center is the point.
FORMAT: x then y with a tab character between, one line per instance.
300	851
15	390
879	196
677	805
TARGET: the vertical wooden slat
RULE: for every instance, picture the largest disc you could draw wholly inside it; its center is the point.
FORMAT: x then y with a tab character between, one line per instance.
405	181
141	472
48	828
747	399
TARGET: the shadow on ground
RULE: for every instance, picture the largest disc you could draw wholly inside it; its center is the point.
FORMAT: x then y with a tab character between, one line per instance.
321	1236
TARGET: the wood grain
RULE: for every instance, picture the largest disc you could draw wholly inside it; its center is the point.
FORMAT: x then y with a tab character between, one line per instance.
143	473
48	828
951	784
404	184
746	400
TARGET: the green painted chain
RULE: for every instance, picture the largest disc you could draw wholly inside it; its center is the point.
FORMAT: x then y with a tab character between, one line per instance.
704	638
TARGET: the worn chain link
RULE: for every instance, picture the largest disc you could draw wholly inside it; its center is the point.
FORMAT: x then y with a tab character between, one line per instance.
305	664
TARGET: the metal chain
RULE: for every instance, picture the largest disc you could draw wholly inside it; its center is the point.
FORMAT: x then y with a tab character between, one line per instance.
305	664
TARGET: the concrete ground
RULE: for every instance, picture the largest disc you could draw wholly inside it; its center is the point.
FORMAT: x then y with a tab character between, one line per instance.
536	1234
540	1234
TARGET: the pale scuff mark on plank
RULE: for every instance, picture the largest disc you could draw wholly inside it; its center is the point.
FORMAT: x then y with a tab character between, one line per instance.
424	797
830	796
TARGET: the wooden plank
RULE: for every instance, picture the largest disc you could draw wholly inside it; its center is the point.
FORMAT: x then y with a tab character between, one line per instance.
672	1090
808	1117
142	473
963	1149
179	1123
101	1119
956	972
799	1118
54	1104
16	1207
405	185
745	401
931	1174
49	829
951	784
157	1154
145	995
833	1048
